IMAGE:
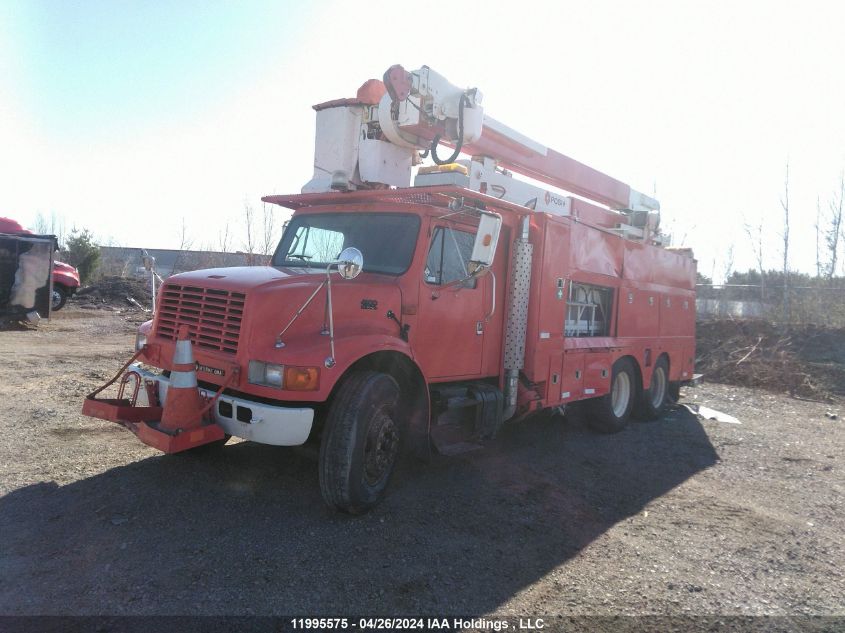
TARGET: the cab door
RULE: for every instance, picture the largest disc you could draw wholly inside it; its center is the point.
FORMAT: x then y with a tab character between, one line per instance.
450	329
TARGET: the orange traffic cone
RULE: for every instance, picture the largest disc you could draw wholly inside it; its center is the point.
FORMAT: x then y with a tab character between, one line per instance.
183	404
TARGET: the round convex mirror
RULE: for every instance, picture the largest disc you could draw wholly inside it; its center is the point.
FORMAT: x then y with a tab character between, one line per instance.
350	262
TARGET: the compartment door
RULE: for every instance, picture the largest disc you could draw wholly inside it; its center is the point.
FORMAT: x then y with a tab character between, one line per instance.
572	379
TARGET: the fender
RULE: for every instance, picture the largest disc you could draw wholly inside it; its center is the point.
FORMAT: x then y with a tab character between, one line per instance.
395	358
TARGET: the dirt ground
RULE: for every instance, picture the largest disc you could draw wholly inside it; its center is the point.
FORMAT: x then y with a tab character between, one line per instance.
679	516
804	360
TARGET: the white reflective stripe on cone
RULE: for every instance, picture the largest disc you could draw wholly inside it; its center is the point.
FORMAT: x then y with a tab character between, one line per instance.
183	379
183	354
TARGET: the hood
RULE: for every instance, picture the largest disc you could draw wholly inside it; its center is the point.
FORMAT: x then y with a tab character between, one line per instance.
275	295
240	278
65	268
66	275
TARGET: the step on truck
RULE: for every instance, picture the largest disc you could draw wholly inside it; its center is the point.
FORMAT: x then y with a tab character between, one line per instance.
423	295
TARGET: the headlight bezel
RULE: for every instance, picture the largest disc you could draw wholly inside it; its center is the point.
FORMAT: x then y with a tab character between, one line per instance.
258	370
285	377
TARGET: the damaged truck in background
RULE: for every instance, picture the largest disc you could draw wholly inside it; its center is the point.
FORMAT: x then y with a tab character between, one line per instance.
18	277
26	265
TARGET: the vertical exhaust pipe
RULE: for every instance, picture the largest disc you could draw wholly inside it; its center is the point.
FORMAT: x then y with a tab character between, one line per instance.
517	316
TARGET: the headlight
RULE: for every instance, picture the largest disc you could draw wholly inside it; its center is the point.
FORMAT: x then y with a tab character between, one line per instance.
283	377
140	340
267	374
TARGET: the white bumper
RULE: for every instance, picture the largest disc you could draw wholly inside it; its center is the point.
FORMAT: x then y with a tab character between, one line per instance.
255	421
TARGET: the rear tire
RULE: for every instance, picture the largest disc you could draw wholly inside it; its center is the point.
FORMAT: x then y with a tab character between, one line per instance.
653	401
361	442
58	299
610	413
674	392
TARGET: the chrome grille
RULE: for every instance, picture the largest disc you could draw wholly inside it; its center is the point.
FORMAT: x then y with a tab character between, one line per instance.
213	316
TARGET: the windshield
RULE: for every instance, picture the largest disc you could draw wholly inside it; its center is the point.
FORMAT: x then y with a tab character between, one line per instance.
387	240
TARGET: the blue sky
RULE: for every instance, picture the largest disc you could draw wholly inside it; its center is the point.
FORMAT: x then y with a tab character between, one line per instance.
129	117
87	69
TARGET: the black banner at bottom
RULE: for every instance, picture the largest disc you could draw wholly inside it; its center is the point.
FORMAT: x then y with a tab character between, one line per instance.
469	624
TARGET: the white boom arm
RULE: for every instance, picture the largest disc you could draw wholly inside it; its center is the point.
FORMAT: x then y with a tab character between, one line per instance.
374	141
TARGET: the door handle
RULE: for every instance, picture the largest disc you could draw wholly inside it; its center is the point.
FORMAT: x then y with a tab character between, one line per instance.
493	295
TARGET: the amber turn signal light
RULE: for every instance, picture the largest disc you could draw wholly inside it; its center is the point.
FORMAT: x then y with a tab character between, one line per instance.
302	378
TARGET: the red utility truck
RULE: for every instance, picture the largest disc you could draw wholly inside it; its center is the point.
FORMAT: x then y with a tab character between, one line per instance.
465	301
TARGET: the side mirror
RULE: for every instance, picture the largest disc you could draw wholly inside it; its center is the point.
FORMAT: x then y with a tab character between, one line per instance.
350	262
486	240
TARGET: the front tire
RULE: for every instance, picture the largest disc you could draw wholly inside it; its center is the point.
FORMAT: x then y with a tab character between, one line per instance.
361	442
610	413
58	299
653	401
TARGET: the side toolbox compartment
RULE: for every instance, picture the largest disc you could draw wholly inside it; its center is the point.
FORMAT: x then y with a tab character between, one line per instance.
572	376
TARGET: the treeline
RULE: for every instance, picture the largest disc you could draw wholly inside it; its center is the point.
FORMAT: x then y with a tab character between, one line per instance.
792	298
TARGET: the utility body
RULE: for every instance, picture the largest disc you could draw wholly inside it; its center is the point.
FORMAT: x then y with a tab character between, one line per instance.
466	301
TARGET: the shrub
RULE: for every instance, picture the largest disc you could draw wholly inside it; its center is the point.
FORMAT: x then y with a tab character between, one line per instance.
82	252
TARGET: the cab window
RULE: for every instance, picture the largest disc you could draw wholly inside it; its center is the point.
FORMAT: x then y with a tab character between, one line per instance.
313	240
448	257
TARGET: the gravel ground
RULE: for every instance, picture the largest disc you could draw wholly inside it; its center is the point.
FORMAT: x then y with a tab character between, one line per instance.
679	516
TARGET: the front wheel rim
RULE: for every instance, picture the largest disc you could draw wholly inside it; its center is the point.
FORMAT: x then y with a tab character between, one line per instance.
658	387
57	299
621	394
381	448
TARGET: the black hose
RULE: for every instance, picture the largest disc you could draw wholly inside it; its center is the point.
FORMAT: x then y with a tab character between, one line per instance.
458	145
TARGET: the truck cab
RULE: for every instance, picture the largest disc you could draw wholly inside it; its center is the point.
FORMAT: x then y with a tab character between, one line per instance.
414	314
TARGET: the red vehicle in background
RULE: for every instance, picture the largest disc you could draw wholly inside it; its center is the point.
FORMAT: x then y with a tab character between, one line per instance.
65	277
65	284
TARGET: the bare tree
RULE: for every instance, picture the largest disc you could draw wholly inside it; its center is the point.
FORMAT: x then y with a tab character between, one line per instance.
835	231
224	239
729	263
57	227
755	236
818	236
185	244
40	226
268	235
249	227
784	203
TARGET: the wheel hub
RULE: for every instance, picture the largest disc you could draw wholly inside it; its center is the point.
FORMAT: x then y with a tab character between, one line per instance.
381	448
658	389
620	394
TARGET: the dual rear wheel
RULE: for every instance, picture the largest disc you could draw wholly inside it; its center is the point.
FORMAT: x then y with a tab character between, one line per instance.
611	412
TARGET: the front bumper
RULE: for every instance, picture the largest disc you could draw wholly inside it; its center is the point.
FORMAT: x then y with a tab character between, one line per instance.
247	419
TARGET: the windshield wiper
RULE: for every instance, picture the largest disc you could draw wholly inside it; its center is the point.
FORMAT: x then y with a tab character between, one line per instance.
303	261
